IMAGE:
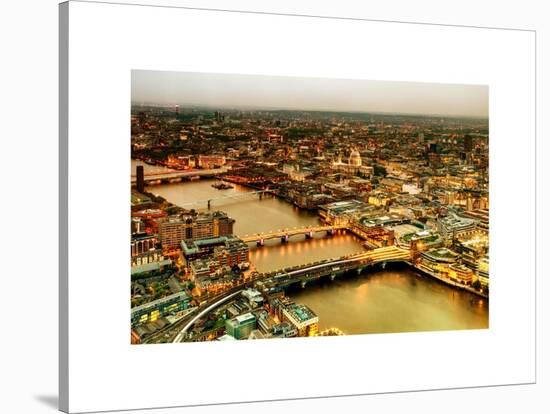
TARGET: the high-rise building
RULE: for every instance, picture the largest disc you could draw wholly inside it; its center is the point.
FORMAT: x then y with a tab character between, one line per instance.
421	137
140	179
202	226
174	230
468	143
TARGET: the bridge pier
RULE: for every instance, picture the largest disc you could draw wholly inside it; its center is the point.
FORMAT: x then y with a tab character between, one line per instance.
332	277
309	235
209	204
260	243
284	239
303	284
331	232
383	265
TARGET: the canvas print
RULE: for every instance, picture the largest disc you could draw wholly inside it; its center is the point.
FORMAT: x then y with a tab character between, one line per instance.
285	207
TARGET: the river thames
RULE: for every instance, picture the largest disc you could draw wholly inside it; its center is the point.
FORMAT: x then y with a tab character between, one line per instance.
397	299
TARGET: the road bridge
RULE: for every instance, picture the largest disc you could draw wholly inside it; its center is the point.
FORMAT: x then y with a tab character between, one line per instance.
285	234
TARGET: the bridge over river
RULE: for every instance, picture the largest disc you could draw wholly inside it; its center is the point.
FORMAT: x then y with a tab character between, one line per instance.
285	234
334	267
304	273
178	176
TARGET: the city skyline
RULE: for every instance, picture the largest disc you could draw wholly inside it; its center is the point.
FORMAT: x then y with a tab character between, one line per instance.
251	224
286	93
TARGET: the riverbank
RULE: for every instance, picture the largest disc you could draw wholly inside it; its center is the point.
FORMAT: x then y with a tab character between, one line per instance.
449	281
394	299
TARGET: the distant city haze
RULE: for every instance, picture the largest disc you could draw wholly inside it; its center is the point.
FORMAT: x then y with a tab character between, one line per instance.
316	94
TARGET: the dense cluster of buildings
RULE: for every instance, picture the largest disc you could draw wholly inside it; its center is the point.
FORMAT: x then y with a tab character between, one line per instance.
418	183
258	315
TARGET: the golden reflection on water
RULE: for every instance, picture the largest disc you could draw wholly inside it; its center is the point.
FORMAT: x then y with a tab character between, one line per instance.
394	300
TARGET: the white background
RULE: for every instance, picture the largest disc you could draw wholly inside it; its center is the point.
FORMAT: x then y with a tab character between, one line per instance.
107	41
29	170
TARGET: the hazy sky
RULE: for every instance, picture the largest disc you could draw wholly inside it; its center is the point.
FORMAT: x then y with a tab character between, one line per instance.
280	92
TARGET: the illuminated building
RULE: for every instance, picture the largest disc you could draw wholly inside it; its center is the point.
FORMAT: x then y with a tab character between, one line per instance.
374	237
473	249
225	250
483	271
202	226
241	326
284	330
302	318
354	166
407	234
480	215
142	243
437	260
151	311
454	226
295	172
149	261
342	212
211	161
461	273
174	230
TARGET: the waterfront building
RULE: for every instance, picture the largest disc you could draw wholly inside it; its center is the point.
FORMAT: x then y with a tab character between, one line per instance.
437	261
302	318
139	200
483	271
241	326
473	249
140	179
440	255
211	161
202	226
226	251
180	162
461	273
151	311
374	237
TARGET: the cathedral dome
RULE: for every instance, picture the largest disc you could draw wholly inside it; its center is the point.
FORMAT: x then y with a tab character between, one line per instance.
355	158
